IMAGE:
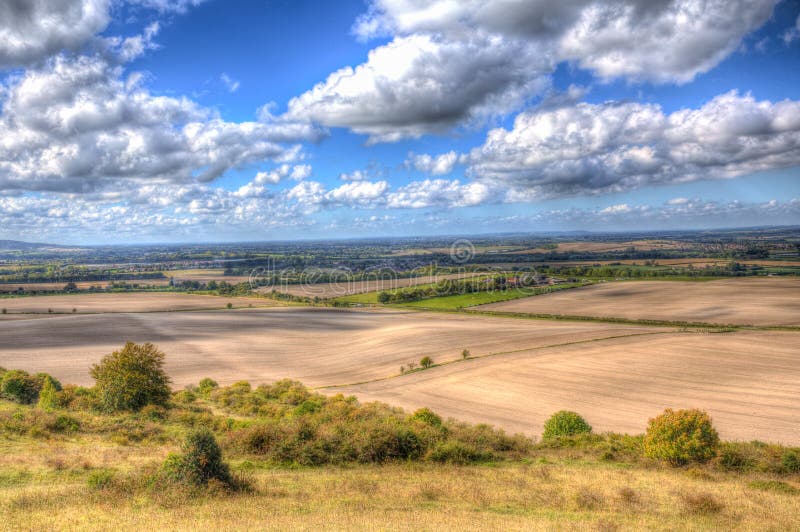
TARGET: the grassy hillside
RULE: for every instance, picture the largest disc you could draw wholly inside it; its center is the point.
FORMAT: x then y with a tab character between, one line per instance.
303	460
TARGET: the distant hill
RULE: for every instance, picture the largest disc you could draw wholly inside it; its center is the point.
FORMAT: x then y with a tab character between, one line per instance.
18	245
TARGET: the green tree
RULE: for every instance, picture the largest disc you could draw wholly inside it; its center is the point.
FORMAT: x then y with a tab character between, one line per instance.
131	378
426	362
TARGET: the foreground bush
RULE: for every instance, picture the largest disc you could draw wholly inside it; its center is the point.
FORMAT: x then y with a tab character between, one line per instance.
681	436
131	378
200	461
21	387
565	423
297	426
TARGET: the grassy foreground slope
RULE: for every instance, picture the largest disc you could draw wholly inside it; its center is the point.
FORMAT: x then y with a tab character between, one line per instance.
305	461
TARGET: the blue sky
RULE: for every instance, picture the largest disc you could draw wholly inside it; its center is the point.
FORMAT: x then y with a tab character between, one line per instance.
192	120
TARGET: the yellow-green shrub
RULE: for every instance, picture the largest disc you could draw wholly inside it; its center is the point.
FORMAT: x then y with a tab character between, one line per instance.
681	436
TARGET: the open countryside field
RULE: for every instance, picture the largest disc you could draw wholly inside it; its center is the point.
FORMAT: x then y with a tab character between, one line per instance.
748	381
605	247
616	375
123	302
316	346
750	301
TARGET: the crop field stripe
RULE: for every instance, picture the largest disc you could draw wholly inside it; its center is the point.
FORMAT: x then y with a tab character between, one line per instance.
498	353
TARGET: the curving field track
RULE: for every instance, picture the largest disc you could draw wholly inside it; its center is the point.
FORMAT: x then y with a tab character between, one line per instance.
749	301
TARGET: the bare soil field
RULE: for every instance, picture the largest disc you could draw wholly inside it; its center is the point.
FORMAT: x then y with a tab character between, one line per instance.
317	346
616	375
82	285
745	301
123	302
347	288
749	382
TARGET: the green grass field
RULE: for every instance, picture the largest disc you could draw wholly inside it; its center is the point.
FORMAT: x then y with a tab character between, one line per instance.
457	301
482	298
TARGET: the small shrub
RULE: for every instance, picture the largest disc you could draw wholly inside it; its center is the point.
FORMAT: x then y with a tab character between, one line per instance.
185	397
48	395
131	378
66	424
200	461
681	436
790	461
427	416
19	386
230	306
465	354
100	479
456	452
426	362
732	458
702	504
5	311
153	413
565	423
206	386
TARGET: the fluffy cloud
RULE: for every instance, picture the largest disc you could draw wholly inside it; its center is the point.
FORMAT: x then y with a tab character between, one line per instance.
599	148
422	84
454	63
355	175
75	124
664	40
439	193
31	30
440	165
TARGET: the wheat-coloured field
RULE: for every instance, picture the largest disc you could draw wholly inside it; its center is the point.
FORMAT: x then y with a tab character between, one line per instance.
749	381
616	375
317	346
746	301
122	302
349	287
81	285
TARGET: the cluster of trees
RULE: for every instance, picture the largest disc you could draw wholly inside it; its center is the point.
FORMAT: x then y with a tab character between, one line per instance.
649	269
451	287
58	274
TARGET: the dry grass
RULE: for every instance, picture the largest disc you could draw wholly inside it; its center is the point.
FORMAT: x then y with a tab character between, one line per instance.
413	497
749	301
